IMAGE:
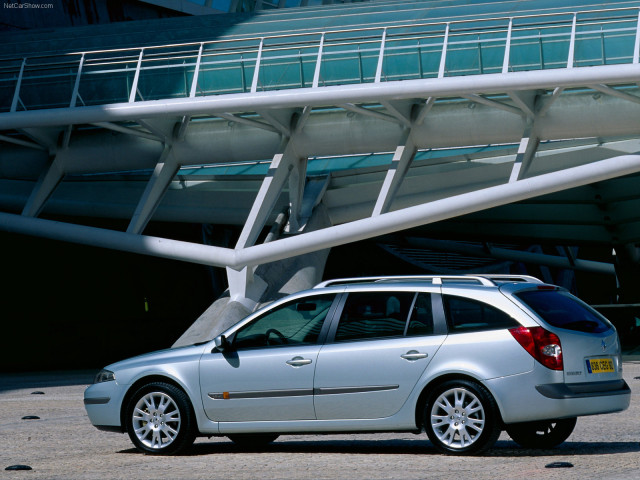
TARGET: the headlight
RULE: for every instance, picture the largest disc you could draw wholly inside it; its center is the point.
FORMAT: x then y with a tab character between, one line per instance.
104	376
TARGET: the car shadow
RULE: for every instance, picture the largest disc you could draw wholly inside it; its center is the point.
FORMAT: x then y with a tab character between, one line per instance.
503	448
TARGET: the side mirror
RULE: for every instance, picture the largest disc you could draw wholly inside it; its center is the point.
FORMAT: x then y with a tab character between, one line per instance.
221	343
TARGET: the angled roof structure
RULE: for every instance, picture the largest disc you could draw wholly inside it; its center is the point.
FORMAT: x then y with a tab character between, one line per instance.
391	115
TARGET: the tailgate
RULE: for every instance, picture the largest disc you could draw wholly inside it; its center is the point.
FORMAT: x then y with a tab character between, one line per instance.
590	344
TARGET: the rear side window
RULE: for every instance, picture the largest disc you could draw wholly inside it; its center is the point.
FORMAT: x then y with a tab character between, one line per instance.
374	314
563	310
466	315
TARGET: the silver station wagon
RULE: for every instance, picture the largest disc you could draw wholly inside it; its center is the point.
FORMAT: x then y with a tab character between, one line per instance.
461	357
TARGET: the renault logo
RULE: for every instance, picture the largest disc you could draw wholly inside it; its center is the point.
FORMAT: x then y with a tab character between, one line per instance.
604	345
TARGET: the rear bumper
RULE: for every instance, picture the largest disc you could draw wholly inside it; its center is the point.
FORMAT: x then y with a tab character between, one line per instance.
567	391
522	399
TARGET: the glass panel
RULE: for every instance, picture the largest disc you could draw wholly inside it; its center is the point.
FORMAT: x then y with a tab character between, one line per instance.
421	321
47	86
167	74
354	63
107	80
466	315
295	323
374	314
563	310
475	53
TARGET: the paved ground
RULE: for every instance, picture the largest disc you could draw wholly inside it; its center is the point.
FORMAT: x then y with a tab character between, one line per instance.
62	444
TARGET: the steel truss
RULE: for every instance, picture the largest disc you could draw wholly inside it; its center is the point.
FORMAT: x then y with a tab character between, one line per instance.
525	108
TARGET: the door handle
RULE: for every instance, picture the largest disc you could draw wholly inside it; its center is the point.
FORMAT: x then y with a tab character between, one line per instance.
298	361
414	355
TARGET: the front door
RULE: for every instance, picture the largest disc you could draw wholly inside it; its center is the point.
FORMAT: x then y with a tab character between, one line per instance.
267	373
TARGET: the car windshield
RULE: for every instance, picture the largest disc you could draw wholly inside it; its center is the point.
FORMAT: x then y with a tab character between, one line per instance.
563	310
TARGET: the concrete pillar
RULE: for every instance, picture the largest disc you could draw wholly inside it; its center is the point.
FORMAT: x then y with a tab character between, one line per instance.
281	278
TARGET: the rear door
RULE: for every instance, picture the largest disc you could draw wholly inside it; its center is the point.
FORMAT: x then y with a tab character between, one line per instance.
590	345
375	355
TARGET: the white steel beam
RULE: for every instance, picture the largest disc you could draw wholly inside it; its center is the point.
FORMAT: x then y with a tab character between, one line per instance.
393	110
331	95
368	112
526	150
22	143
492	103
423	109
332	236
157	186
297	182
248	121
524	101
271	188
402	158
548	101
569	262
275	122
616	93
45	186
128	130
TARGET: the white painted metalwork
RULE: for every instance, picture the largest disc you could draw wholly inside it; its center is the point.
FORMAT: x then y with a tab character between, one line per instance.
240	258
161	178
330	95
443	57
196	72
316	72
507	48
400	163
256	72
16	93
381	56
76	86
136	77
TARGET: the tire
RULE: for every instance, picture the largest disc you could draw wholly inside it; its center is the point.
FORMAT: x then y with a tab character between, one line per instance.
160	420
253	441
461	418
543	434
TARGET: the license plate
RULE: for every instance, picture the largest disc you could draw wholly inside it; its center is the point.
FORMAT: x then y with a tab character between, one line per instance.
600	365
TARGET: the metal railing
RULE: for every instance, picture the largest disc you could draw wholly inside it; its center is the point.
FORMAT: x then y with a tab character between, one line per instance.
363	55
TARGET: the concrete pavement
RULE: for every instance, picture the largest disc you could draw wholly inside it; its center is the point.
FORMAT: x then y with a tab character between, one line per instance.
62	444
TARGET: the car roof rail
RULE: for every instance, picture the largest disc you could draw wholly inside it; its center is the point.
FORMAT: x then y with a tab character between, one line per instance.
434	279
489	280
508	278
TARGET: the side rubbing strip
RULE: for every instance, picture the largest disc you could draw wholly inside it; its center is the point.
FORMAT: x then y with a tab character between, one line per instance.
339	390
299	392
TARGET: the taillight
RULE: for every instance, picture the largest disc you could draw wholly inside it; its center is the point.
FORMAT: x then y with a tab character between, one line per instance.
541	344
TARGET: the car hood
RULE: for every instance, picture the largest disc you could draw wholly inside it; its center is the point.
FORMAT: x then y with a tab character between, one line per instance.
159	361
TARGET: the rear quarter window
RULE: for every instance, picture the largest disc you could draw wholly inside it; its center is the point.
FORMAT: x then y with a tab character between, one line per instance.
467	315
563	310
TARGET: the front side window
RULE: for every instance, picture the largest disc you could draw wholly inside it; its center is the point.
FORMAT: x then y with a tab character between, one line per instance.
295	323
467	315
563	310
374	314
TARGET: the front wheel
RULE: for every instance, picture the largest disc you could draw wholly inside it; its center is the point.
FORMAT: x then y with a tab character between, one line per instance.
461	417
160	419
543	434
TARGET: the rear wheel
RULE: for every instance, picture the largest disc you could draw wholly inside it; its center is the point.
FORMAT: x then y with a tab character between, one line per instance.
160	419
543	434
461	417
252	441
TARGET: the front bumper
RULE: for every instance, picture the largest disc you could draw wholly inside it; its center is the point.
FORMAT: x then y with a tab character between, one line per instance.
102	402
